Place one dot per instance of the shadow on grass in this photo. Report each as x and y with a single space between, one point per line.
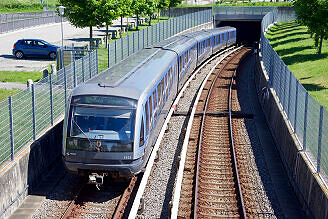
313 87
296 33
304 78
287 41
299 58
273 32
292 50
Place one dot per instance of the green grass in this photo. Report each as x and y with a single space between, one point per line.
14 6
296 48
5 93
19 76
102 51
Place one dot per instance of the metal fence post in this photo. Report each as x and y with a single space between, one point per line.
128 38
289 93
133 42
11 126
74 74
83 76
115 47
108 55
296 106
138 40
159 32
90 69
305 120
122 48
320 139
33 112
65 84
147 36
285 82
143 38
97 62
51 101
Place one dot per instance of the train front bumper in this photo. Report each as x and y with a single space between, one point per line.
129 169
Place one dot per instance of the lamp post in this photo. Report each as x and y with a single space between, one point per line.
61 13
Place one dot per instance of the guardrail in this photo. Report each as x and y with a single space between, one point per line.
15 21
307 117
26 115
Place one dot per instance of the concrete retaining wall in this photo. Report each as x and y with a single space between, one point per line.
308 185
20 176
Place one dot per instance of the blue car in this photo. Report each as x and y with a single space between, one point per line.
34 48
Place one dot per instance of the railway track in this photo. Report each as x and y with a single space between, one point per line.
108 202
211 186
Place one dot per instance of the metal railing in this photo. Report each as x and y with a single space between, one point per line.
15 21
308 119
128 45
27 114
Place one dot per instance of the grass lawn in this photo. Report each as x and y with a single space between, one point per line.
4 93
14 6
19 76
295 47
102 51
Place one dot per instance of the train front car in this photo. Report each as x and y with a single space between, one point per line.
99 134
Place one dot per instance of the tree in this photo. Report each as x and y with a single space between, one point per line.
150 8
107 13
139 8
162 5
123 8
82 13
313 14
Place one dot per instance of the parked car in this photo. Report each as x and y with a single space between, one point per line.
34 48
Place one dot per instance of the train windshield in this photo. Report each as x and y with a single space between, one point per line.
106 118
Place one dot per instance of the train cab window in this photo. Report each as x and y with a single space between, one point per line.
147 119
142 133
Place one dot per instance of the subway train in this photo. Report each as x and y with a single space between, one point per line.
112 121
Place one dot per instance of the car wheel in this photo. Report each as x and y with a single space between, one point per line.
19 54
52 55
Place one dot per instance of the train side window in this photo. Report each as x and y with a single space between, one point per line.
147 118
180 63
142 133
151 112
155 105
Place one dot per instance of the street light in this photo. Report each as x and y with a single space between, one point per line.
61 13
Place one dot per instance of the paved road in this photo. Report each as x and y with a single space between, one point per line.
50 33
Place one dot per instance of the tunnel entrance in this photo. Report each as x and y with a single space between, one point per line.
247 31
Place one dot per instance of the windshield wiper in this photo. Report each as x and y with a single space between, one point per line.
81 130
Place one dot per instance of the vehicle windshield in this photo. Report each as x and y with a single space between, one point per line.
45 42
114 122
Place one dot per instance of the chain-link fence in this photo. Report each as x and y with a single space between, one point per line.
128 45
25 115
306 116
15 21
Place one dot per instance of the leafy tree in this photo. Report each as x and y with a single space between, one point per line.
139 8
107 13
123 8
150 8
313 14
162 5
82 13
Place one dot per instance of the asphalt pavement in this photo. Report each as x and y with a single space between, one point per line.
50 33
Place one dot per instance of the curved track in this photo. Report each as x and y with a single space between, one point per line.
211 185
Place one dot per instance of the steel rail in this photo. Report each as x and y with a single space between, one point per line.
233 147
202 128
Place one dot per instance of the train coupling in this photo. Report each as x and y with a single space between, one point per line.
97 179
